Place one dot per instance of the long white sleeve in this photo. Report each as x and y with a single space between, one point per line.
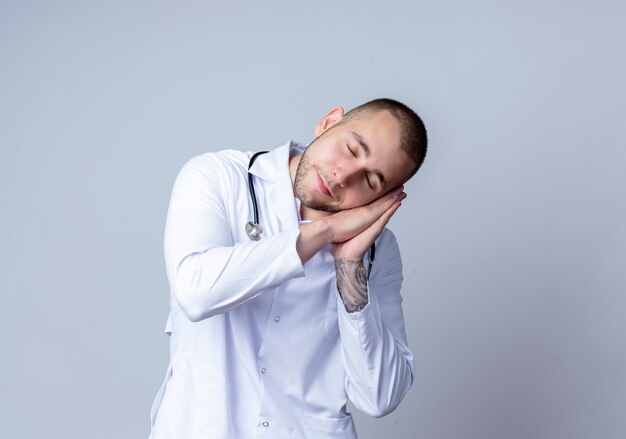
378 363
209 272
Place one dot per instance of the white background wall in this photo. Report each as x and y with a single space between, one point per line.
513 235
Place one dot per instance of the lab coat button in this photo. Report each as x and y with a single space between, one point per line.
277 319
266 424
263 370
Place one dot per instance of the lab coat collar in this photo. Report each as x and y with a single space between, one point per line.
271 166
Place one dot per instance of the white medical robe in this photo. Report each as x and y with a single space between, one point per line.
260 345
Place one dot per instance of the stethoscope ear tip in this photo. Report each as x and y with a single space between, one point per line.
254 231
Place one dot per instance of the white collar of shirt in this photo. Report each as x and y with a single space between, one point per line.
271 166
273 169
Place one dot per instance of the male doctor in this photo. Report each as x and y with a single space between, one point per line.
269 338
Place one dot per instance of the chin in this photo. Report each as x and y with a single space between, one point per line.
319 205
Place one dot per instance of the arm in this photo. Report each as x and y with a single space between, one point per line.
379 365
352 284
209 271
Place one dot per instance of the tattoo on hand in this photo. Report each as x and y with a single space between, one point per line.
352 284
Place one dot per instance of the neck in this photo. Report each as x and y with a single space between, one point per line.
293 167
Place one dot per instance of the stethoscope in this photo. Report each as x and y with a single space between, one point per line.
255 230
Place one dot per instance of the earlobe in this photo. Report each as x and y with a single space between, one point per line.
331 118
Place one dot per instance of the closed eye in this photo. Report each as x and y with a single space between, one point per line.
351 150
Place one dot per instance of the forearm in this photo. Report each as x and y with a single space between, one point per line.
352 284
313 237
214 280
378 363
220 278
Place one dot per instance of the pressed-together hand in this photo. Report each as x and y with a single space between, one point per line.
352 230
356 229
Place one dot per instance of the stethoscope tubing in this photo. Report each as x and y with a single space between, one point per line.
255 208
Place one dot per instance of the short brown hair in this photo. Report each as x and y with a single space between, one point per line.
413 137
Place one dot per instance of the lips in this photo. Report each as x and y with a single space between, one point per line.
323 188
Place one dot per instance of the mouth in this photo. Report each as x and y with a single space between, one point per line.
323 187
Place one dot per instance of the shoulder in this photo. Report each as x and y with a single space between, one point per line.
228 165
225 161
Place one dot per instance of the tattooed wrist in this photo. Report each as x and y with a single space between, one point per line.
352 283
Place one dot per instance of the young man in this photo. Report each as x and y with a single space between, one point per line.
270 338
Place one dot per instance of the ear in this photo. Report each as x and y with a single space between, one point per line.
333 117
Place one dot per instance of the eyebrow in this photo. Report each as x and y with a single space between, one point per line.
366 151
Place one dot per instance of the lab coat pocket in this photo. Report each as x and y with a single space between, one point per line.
318 427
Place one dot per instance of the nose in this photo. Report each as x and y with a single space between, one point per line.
342 173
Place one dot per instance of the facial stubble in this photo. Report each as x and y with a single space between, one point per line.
304 168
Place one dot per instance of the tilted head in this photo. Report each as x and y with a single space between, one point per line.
413 137
359 156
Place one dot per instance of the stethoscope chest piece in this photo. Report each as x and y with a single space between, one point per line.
254 231
253 228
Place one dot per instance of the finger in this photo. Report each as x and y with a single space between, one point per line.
385 204
376 228
350 223
382 221
356 247
378 206
393 194
370 214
